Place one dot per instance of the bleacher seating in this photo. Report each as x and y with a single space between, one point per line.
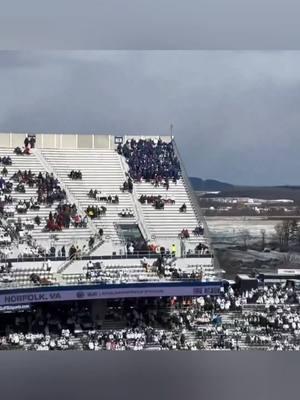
31 162
37 266
134 270
104 170
101 170
166 224
21 271
169 222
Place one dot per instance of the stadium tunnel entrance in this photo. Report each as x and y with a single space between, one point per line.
130 232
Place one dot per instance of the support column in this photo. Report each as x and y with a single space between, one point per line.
98 310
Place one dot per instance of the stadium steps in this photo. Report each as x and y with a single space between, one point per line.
101 170
47 166
31 162
169 222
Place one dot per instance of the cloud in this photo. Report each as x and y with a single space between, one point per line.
235 114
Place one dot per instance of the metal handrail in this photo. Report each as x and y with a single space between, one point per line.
193 198
195 204
137 206
62 283
86 256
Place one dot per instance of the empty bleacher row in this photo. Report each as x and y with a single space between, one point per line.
21 278
22 273
37 266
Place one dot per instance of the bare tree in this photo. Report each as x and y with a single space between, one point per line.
298 235
288 259
287 228
263 238
293 230
279 233
283 231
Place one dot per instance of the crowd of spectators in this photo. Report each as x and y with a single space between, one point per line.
166 267
138 246
38 342
48 187
229 321
23 206
97 273
126 213
20 188
48 192
184 234
198 231
151 199
16 231
159 202
127 185
65 215
29 143
22 151
153 161
6 160
95 211
201 249
75 175
99 196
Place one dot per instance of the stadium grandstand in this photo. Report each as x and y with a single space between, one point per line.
99 210
103 246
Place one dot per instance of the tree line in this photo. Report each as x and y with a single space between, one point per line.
287 233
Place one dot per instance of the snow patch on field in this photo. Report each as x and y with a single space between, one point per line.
230 230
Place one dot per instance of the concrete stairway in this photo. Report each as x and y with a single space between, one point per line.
169 222
31 162
101 170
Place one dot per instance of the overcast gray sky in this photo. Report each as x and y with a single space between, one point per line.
236 115
149 24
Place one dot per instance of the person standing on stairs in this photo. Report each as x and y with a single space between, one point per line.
173 250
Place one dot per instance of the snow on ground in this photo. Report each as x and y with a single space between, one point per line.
231 228
226 233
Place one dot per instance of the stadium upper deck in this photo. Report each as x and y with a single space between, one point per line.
132 199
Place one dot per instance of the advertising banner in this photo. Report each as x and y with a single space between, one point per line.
65 294
14 308
288 271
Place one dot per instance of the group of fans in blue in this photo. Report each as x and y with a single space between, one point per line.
151 161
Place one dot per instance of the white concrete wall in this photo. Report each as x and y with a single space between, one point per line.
70 141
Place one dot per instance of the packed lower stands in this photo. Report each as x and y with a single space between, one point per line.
267 318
